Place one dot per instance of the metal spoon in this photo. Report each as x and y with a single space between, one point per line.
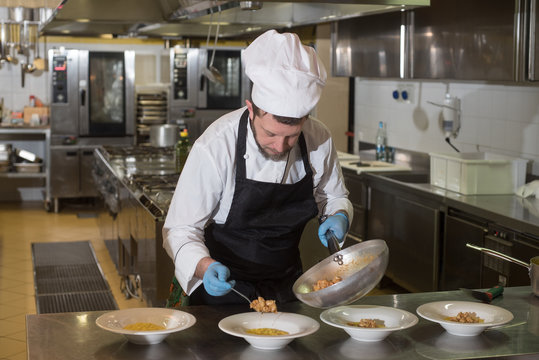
243 296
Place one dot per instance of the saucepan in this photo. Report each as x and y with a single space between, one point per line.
533 266
164 135
361 268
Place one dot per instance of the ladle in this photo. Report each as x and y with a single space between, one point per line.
39 63
211 72
4 39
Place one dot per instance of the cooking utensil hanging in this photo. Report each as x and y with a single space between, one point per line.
4 40
39 62
211 72
533 266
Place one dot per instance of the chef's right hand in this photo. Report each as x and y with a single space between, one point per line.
215 280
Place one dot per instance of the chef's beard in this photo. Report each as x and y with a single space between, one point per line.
270 156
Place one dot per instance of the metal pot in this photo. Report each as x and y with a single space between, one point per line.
164 135
363 266
533 266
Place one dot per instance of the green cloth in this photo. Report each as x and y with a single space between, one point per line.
177 297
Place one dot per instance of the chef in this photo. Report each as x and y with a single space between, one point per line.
253 180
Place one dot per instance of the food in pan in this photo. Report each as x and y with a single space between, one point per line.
323 283
465 317
144 326
365 323
266 331
262 305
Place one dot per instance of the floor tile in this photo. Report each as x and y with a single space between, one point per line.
28 223
7 297
10 347
10 327
20 336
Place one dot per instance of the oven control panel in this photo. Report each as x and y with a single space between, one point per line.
59 79
179 76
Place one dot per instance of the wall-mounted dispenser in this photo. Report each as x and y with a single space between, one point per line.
450 117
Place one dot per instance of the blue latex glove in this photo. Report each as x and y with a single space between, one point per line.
215 280
337 223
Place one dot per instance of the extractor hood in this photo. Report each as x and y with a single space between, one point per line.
188 18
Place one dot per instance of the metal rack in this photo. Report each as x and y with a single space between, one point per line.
31 134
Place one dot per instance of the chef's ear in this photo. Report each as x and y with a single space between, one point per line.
250 109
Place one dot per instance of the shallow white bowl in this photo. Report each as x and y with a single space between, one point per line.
393 319
438 311
296 325
172 320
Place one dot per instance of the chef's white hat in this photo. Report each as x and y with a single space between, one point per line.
287 76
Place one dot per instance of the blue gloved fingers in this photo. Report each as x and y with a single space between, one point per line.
322 230
215 280
338 224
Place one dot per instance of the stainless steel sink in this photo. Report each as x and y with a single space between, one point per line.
410 178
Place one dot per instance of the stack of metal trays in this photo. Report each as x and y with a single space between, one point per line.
27 162
151 110
5 156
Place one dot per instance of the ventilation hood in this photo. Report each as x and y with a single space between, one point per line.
176 19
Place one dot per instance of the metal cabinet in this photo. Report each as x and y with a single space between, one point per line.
455 40
72 168
357 189
368 46
461 266
410 225
466 40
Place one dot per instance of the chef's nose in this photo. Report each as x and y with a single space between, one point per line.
281 144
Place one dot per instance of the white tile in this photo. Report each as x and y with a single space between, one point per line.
468 130
530 140
498 134
483 132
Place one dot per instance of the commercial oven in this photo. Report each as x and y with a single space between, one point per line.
197 101
92 104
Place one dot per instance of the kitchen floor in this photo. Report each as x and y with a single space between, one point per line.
22 224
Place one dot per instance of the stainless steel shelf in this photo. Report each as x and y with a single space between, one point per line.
33 134
24 175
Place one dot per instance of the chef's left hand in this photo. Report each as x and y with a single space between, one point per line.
215 280
338 224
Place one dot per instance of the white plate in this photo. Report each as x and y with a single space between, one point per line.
438 312
296 325
391 318
172 320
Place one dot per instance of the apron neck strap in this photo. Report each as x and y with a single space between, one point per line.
241 148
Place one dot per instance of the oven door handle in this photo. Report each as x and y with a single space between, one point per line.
499 255
202 82
82 97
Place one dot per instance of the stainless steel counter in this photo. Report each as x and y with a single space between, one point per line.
517 212
75 335
510 210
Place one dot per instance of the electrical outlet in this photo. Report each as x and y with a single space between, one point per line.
404 93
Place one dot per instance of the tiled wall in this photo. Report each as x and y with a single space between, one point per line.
494 118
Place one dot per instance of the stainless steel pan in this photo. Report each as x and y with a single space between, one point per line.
364 265
533 266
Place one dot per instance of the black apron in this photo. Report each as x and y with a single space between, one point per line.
259 242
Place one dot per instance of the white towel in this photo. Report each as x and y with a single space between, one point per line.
529 189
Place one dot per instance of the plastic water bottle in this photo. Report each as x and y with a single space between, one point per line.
381 142
182 150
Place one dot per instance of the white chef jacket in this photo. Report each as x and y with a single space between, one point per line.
206 186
